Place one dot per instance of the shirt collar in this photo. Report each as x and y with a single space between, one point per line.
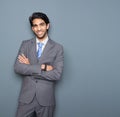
44 41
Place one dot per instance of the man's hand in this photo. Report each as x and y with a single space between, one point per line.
48 67
23 59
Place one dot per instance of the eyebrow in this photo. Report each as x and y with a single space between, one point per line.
38 24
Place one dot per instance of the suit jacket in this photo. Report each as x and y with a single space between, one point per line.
35 81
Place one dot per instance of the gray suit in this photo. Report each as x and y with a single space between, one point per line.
35 81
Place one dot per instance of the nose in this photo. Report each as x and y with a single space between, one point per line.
39 27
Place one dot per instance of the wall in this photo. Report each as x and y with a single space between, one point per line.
89 30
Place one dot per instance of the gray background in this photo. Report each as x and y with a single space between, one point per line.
89 30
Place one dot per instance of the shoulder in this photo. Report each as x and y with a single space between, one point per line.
58 48
28 42
56 44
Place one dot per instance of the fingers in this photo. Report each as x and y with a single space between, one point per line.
46 67
23 59
49 68
43 66
23 56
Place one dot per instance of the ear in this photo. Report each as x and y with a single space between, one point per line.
32 28
48 25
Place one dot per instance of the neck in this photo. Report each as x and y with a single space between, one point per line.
43 38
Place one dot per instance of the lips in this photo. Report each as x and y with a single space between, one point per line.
39 32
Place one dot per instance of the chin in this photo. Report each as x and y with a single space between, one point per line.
40 36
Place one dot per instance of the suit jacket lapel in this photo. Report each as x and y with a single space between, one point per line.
48 47
33 56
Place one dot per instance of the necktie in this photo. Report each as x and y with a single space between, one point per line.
39 52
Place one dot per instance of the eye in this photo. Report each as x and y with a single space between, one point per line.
34 25
42 24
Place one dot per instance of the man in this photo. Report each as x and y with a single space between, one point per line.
40 66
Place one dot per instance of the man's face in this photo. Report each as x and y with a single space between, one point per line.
40 28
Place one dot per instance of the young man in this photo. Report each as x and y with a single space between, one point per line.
40 63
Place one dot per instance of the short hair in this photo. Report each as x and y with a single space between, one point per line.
38 15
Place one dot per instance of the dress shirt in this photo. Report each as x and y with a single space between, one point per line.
44 43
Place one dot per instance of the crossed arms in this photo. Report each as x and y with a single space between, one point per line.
24 60
53 72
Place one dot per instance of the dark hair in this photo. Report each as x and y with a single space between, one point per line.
38 15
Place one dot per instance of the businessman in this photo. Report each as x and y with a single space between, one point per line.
40 63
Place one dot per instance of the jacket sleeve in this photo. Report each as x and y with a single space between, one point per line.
35 70
25 69
56 73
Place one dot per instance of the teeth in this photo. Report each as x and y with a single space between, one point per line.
39 32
